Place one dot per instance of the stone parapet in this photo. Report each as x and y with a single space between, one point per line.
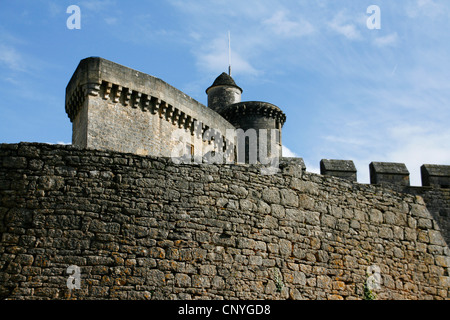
435 175
389 173
338 168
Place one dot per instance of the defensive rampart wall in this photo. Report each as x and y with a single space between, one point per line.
141 227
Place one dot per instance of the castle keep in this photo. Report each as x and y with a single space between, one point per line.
139 225
113 107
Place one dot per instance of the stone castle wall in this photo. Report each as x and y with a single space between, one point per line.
438 204
435 189
141 227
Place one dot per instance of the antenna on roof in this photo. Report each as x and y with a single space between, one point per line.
229 53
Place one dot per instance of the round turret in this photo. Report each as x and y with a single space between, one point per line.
257 120
223 92
259 116
254 115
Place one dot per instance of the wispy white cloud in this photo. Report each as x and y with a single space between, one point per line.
258 28
388 40
213 57
252 10
312 167
342 24
280 24
427 8
97 5
416 145
11 58
16 57
288 153
55 9
111 20
354 142
109 12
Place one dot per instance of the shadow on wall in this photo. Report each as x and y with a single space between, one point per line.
435 189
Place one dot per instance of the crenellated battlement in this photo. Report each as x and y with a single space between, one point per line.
435 175
388 173
435 190
338 168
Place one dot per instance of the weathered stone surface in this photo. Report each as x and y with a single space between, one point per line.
389 173
271 195
144 228
435 175
344 169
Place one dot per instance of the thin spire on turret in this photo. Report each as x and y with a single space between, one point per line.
229 53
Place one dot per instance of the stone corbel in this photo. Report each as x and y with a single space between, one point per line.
93 88
189 124
155 105
170 111
117 93
107 90
175 117
136 99
127 97
145 103
162 109
182 120
197 129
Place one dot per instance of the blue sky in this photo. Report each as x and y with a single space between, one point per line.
349 92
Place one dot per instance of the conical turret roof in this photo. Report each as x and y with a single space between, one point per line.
224 80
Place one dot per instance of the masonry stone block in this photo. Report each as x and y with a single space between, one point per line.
389 173
435 176
271 195
344 169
